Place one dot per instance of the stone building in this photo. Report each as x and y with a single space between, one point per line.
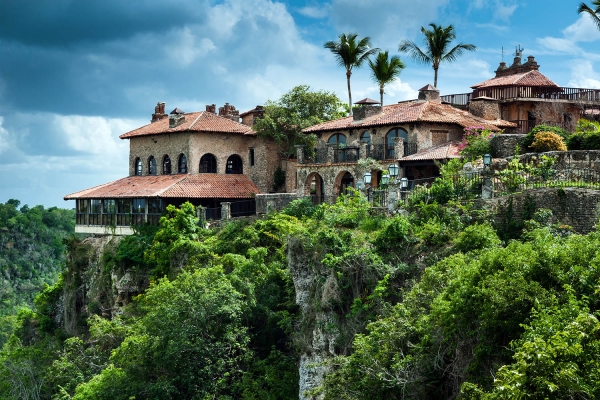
520 93
387 134
201 157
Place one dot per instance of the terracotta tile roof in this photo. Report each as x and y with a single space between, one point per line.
530 78
194 122
440 152
197 186
415 111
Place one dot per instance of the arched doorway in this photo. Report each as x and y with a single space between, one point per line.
343 182
314 187
389 142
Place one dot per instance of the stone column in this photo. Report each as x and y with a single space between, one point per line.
393 195
362 152
299 153
398 147
330 152
487 190
226 210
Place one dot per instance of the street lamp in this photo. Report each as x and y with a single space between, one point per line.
367 178
393 168
404 183
487 160
360 185
385 179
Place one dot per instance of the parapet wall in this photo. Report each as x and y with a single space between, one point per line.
273 201
576 207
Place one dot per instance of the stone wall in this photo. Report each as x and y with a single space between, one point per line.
171 144
266 161
486 109
576 207
583 159
505 145
266 203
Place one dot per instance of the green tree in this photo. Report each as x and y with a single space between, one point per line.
385 70
594 13
350 52
299 108
437 43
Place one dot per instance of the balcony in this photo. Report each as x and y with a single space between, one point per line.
526 92
378 152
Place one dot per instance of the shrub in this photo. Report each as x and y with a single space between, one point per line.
476 142
586 136
528 140
548 141
476 237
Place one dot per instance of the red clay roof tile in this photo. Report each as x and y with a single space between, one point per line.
530 78
415 111
197 186
440 152
201 121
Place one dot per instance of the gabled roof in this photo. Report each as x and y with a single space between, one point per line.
194 122
367 101
196 186
415 111
440 152
529 78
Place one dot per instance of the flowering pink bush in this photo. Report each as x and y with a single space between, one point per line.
476 142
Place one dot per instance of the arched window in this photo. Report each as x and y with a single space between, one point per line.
182 164
389 142
138 166
152 165
338 139
208 164
234 165
365 137
166 165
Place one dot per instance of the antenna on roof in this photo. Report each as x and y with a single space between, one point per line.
519 51
503 52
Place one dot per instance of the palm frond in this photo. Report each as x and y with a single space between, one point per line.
410 47
595 14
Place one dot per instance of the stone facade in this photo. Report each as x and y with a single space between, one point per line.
195 145
485 108
505 145
266 203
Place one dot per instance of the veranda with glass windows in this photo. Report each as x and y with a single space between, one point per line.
118 212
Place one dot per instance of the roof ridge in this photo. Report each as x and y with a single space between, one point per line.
175 181
196 120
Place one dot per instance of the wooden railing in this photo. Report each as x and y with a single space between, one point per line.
529 92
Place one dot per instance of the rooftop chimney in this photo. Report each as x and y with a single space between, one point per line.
159 112
229 111
367 108
517 67
176 118
212 108
429 93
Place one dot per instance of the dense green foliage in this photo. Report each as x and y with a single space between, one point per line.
530 137
31 254
444 301
284 119
586 136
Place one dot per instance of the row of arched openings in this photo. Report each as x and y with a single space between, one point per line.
208 165
339 139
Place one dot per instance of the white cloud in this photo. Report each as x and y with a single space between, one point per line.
583 75
393 92
583 30
503 11
4 137
558 45
184 48
316 12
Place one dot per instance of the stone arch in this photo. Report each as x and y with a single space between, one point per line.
389 142
166 165
137 166
343 181
182 164
234 165
314 186
208 164
151 165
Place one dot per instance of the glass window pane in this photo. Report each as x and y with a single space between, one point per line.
96 206
108 206
124 206
139 206
154 206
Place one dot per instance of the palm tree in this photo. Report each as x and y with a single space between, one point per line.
351 53
385 70
583 8
437 41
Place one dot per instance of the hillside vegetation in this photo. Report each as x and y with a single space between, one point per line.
442 302
32 253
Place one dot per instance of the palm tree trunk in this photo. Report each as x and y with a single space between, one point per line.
348 73
381 94
435 78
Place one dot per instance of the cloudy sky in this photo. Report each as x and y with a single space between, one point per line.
74 75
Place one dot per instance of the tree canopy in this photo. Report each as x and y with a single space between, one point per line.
299 108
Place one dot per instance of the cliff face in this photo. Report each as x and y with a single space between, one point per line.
92 284
317 335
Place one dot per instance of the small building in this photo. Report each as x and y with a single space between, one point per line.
520 93
201 157
386 134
